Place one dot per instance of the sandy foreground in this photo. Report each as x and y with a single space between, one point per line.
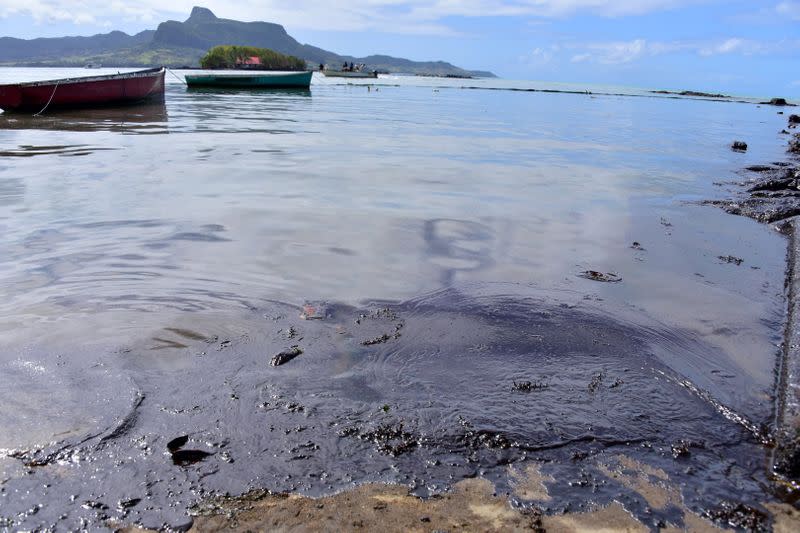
473 505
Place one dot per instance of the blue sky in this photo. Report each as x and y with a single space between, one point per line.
734 46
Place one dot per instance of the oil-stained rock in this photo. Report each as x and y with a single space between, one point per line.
739 146
596 275
285 356
188 457
177 443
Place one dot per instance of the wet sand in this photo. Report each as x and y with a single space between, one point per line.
471 505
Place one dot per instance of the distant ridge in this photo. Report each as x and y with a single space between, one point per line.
177 44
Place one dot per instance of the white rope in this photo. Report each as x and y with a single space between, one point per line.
178 77
48 102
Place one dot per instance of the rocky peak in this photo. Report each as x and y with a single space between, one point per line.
201 14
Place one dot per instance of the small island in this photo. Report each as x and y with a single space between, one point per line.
250 58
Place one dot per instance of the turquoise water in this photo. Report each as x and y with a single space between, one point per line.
118 225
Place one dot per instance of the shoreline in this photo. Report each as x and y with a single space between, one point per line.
773 197
785 457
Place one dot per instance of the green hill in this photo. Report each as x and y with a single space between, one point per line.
177 44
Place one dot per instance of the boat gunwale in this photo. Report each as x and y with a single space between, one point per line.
350 74
148 73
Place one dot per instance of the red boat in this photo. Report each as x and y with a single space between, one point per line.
90 91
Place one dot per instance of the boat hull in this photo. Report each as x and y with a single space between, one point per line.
294 80
348 74
91 91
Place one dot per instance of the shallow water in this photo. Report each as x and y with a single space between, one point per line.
154 258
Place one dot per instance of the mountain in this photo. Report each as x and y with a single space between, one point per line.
177 44
22 50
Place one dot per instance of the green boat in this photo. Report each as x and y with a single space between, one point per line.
350 74
293 80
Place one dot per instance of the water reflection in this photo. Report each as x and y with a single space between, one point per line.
147 118
255 92
236 110
12 191
28 150
457 246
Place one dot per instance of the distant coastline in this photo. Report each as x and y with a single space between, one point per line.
181 45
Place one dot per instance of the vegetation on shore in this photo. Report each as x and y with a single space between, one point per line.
230 56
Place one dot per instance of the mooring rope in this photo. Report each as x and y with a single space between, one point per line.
48 102
177 77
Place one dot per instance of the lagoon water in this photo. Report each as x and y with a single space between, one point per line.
152 256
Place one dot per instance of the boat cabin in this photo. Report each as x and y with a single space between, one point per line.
253 62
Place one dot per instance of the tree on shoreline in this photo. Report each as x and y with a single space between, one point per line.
229 56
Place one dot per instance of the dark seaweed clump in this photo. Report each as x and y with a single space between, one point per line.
787 467
528 386
740 516
390 439
594 275
731 259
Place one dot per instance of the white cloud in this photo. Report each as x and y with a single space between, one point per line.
620 52
541 55
789 9
614 52
406 16
734 45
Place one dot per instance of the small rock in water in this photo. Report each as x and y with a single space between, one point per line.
794 145
131 502
794 119
177 443
594 275
759 168
91 504
286 356
777 101
739 146
637 246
